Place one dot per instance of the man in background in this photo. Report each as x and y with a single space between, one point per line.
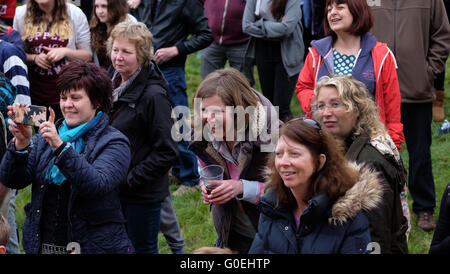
418 33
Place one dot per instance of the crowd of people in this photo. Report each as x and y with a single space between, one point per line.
367 74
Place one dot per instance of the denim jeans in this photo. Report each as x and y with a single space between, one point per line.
185 168
215 56
12 247
169 225
416 119
143 221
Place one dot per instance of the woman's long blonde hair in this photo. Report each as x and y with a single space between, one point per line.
354 94
35 21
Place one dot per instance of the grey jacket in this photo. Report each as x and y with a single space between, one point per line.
418 33
259 23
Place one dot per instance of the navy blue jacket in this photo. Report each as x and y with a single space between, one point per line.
95 217
326 227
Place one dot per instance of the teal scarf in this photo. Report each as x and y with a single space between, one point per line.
73 137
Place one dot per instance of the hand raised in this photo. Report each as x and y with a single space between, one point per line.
22 133
49 131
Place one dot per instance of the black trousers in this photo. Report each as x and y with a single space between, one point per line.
276 85
416 119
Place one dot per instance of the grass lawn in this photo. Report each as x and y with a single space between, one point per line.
195 219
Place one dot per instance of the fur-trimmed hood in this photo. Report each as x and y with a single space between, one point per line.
365 195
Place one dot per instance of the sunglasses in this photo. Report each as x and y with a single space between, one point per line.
310 122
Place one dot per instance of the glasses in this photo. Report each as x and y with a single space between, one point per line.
333 106
310 122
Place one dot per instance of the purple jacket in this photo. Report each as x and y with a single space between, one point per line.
225 21
363 69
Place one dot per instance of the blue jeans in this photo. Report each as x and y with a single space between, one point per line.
185 168
143 223
169 225
13 243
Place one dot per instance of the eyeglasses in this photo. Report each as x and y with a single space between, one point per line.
333 106
310 122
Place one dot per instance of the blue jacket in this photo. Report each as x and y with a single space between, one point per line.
326 227
95 217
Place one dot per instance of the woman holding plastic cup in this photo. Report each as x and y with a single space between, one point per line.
237 144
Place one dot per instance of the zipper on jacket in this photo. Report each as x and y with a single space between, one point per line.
223 21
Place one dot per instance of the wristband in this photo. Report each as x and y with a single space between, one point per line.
59 149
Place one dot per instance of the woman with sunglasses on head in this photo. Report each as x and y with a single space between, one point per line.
349 49
314 200
345 110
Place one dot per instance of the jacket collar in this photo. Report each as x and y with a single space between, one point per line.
324 45
148 73
365 195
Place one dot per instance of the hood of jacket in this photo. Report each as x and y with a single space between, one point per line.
324 45
365 195
324 49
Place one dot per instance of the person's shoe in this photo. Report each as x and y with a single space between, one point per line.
185 189
438 106
425 221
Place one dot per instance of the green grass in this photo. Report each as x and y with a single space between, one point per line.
195 219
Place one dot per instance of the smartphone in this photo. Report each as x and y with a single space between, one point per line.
29 114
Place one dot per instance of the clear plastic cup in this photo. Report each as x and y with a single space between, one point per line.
210 173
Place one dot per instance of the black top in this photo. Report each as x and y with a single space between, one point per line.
143 114
180 23
54 214
441 238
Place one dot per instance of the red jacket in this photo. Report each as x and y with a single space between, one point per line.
387 91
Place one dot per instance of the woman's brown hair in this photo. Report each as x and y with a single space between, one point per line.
362 17
231 86
334 178
277 8
117 12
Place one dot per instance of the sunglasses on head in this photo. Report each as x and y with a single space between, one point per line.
310 122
